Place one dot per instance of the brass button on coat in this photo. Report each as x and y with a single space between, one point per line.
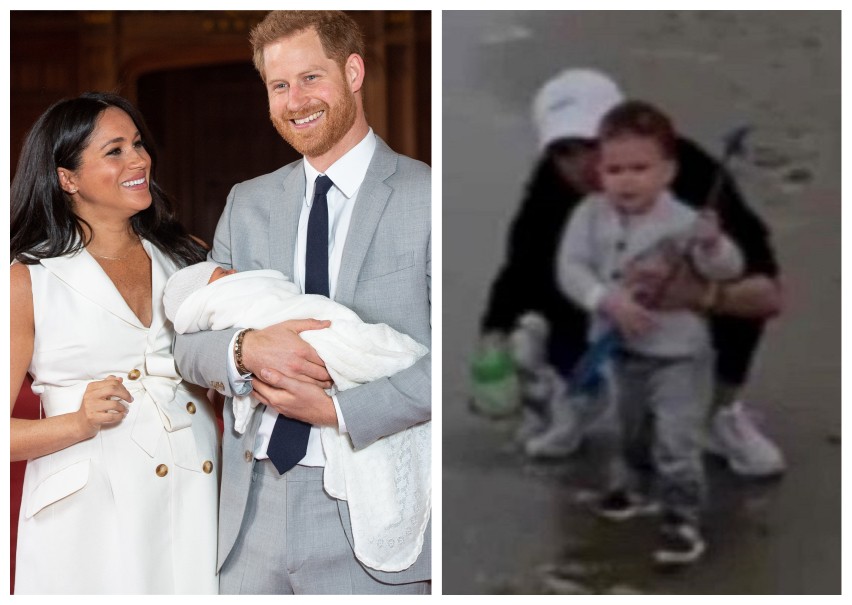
190 407
134 374
162 470
249 456
207 467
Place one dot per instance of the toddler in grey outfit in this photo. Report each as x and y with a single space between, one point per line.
663 370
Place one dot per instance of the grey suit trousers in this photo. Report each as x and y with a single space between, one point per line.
317 557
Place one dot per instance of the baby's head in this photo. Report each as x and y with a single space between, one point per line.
637 155
186 281
219 273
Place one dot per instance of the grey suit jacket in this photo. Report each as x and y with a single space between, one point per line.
385 277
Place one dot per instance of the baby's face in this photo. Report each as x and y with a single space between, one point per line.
219 273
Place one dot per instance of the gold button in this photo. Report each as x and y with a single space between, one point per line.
207 467
249 456
162 470
190 407
134 374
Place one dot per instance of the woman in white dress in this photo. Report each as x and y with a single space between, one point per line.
120 493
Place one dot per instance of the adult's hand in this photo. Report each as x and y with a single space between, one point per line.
278 347
685 289
755 296
295 398
102 406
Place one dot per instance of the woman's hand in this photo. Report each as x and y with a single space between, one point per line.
102 406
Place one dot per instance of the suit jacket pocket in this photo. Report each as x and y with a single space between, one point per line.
386 266
58 485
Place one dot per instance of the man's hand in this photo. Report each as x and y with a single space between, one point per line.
295 398
279 347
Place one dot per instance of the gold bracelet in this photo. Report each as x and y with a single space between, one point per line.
238 351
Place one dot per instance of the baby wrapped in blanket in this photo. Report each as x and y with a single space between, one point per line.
387 484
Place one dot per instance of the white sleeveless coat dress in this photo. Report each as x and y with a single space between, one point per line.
134 509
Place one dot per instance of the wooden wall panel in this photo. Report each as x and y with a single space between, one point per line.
64 53
55 54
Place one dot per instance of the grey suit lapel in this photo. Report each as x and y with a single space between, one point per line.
286 206
372 198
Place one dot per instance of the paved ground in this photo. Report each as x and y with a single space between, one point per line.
505 522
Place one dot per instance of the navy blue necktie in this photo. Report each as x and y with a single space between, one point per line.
289 440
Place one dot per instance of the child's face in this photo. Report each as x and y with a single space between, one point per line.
634 171
218 273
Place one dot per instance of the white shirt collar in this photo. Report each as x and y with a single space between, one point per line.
348 172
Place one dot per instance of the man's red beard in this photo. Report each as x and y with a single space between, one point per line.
315 142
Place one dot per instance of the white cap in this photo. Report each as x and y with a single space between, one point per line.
572 104
185 282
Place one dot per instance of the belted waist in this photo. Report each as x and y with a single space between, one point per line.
153 386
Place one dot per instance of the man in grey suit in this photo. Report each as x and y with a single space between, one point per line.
279 532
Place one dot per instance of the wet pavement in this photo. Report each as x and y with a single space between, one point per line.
516 527
510 526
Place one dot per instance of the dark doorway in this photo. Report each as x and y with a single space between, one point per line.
212 128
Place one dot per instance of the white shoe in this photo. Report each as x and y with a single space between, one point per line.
558 441
734 436
565 433
532 423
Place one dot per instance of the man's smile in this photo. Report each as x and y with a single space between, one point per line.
308 119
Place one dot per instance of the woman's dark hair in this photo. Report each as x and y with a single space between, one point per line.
44 224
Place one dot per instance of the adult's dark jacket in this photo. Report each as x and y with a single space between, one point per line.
526 281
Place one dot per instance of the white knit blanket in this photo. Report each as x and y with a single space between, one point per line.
387 484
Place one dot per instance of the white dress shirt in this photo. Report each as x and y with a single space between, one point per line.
346 174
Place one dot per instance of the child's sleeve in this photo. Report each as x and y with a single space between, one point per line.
575 272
